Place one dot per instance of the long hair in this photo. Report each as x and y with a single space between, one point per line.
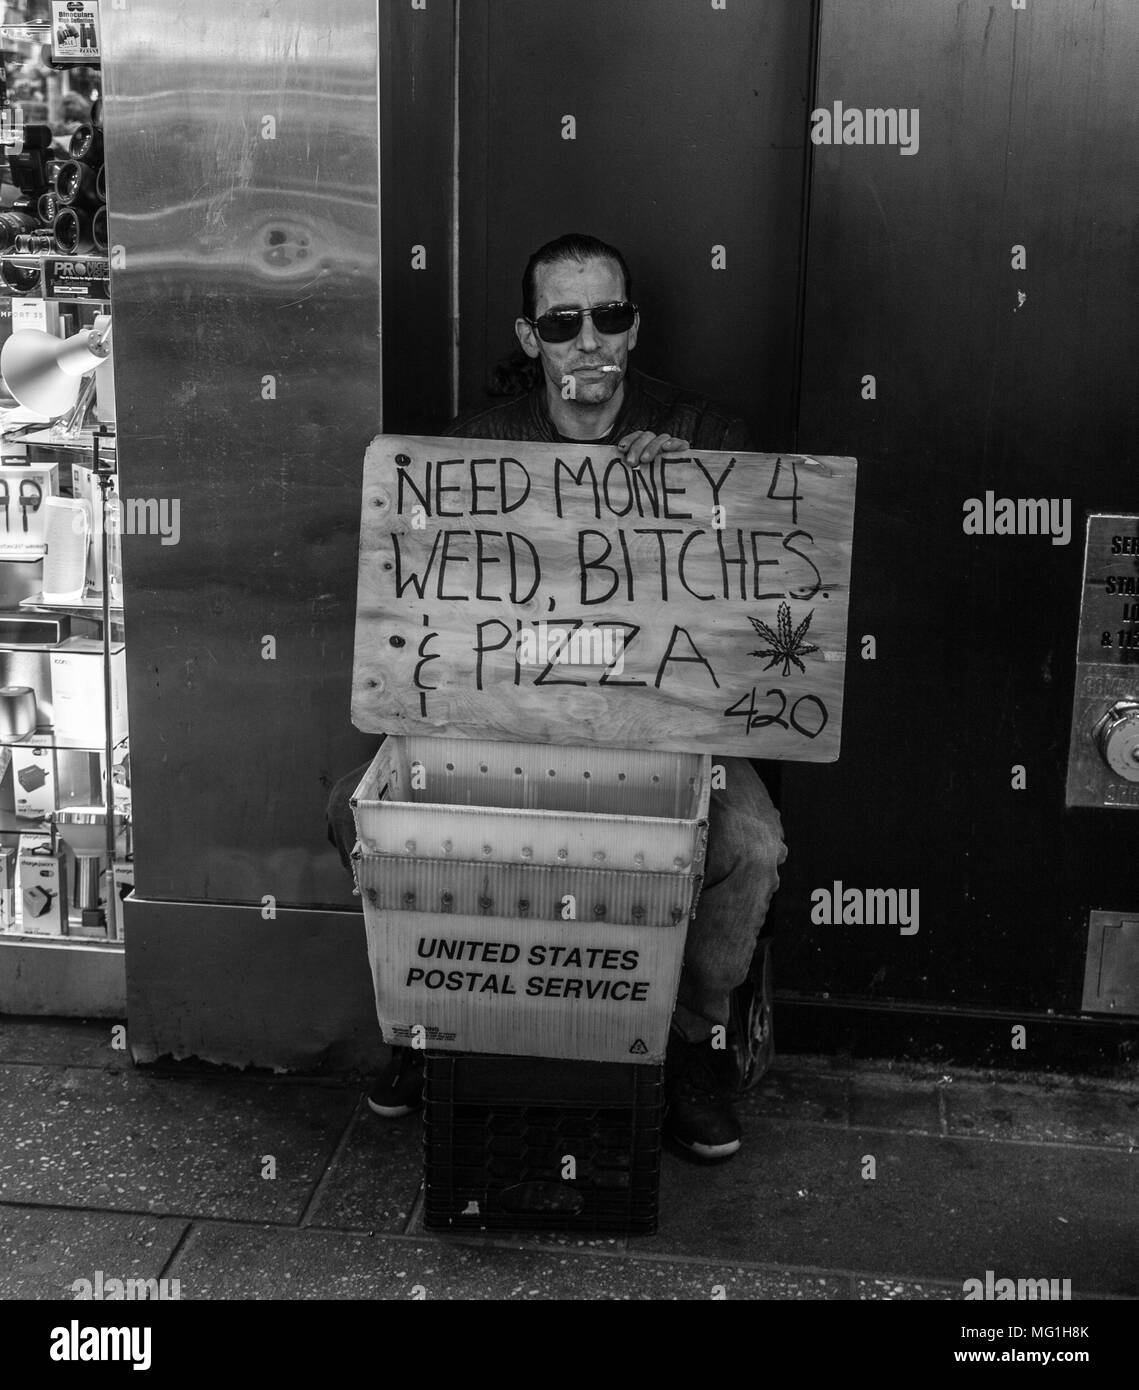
515 373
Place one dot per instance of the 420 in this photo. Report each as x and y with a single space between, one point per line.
745 708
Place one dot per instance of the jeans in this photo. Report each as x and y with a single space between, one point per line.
741 873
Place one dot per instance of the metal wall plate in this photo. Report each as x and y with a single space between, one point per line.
1107 665
1111 970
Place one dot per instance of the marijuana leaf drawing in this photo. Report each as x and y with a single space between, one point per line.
786 646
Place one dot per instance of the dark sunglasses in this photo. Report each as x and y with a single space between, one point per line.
560 325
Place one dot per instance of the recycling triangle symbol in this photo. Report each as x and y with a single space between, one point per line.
638 1048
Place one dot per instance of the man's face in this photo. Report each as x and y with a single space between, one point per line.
580 285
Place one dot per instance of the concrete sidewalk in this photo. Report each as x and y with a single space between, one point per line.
163 1173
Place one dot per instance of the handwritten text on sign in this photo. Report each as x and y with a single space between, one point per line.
554 594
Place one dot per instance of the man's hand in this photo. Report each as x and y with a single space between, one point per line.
644 446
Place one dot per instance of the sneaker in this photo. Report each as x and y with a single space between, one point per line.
398 1090
699 1114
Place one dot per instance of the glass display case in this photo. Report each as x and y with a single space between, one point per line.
65 847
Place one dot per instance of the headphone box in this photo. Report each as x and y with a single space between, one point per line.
43 886
22 514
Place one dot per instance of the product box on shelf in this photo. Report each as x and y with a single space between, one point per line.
75 32
6 397
77 690
46 779
22 516
76 277
120 780
25 664
7 887
33 312
79 773
43 886
35 781
33 629
85 487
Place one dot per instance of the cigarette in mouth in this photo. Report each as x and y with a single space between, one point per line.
610 369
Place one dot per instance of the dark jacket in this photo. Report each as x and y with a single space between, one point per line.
649 404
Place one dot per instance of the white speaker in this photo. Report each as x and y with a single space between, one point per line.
84 484
67 533
105 391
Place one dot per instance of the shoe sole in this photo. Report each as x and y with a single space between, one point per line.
707 1151
392 1112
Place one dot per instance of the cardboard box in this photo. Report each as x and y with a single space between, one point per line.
43 887
77 690
22 514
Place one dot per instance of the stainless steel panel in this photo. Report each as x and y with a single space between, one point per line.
193 989
242 176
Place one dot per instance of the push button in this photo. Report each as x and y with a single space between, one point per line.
1117 738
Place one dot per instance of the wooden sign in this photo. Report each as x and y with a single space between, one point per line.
551 593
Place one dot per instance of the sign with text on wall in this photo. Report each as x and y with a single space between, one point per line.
552 593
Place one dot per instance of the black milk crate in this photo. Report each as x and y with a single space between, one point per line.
498 1131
